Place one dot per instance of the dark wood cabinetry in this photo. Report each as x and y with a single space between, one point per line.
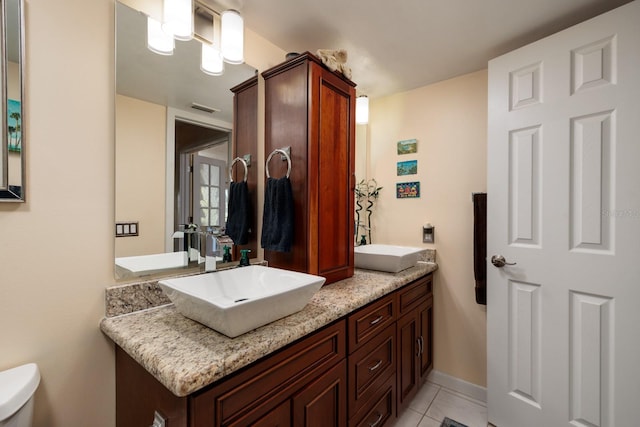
372 361
312 110
359 371
414 335
245 141
254 393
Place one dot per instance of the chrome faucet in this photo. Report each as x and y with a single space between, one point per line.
191 241
212 240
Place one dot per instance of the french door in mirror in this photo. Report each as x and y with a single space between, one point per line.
12 170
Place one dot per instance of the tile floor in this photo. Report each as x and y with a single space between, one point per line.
433 403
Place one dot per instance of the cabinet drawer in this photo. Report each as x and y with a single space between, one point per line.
370 320
267 383
380 410
413 294
369 367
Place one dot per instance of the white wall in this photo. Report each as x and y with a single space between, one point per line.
56 256
57 249
449 121
140 176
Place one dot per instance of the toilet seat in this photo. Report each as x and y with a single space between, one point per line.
17 386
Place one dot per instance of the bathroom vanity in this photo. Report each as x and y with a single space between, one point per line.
355 355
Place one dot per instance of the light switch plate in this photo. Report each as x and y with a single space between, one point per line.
127 229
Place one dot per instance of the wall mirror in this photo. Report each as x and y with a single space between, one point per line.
173 126
12 159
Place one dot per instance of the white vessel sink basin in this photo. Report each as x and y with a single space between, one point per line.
144 265
387 258
239 300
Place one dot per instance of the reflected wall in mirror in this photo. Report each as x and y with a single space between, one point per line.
12 159
172 156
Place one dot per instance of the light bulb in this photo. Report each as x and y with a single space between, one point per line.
232 38
211 61
178 18
157 40
362 110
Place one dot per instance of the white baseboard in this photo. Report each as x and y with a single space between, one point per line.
461 386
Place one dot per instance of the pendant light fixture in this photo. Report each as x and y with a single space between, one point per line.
362 110
221 34
211 60
232 38
178 18
157 40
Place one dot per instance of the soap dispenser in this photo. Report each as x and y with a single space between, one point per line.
244 257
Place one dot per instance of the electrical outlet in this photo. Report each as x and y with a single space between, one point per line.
428 233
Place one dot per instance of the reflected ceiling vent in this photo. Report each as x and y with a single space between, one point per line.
204 108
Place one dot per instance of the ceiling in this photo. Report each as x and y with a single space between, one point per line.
392 46
174 80
405 44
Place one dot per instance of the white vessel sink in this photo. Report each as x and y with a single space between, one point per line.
239 300
144 265
388 258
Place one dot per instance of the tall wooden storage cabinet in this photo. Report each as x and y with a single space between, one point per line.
245 141
312 110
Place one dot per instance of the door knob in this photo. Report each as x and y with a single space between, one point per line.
499 261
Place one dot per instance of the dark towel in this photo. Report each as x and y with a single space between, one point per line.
277 218
239 217
480 246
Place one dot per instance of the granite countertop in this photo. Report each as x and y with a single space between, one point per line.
186 356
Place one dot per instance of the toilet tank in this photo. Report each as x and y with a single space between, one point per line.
17 386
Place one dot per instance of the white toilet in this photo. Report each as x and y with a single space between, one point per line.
17 386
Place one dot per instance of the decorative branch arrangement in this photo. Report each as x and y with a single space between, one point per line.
366 191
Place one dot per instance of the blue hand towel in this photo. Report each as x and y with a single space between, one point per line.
277 218
239 217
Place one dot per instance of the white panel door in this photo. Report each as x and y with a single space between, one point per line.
564 206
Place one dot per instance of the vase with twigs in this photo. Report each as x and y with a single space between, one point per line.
366 192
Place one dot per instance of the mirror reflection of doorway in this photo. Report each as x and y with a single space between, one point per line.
201 182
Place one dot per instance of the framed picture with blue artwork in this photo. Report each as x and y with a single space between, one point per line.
14 125
409 167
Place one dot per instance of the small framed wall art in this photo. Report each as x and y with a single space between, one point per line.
407 190
408 146
410 167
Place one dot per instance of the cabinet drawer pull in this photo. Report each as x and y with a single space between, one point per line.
376 320
375 423
376 366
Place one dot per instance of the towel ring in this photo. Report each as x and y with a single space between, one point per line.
246 168
285 154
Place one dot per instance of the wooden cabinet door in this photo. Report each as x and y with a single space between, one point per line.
323 402
425 317
332 145
280 416
408 356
